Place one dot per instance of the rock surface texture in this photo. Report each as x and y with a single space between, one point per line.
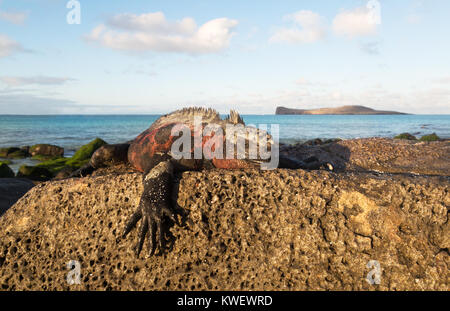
380 155
250 230
247 229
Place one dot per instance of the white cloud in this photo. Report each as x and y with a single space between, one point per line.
152 32
308 27
355 23
9 46
153 23
17 18
38 80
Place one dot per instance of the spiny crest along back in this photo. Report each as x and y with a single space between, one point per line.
234 118
187 115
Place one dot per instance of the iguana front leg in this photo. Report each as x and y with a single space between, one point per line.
155 203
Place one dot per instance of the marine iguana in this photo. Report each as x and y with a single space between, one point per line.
150 153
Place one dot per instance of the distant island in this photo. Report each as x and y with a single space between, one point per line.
351 110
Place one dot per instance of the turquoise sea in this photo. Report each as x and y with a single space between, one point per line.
72 131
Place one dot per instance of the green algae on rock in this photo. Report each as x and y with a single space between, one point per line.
5 151
406 136
431 137
86 151
44 158
19 154
13 153
54 165
80 158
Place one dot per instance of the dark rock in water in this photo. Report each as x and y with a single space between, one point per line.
26 149
5 151
405 136
80 158
11 190
46 150
6 171
13 153
34 173
19 154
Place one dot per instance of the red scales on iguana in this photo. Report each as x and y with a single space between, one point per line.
151 153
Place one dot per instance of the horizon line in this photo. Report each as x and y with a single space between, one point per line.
243 114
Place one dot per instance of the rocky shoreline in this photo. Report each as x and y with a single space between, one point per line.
50 158
53 164
249 230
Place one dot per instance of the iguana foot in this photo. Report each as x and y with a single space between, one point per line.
155 204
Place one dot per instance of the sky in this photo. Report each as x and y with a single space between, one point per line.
151 57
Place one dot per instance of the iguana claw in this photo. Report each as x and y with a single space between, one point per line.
153 208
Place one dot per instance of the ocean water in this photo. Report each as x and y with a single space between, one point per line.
72 131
